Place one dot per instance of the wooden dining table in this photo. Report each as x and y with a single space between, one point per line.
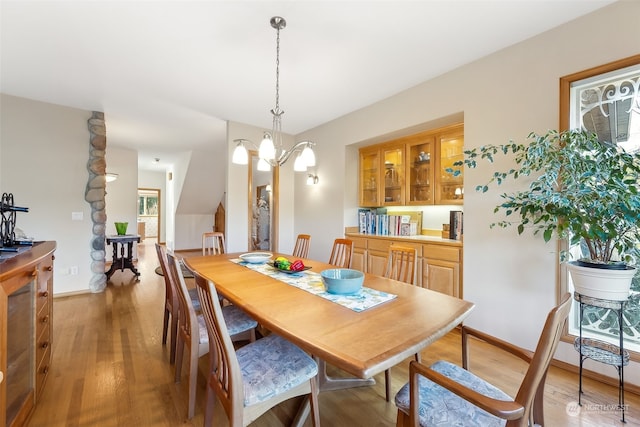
361 343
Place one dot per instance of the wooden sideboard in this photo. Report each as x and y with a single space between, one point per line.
439 261
26 331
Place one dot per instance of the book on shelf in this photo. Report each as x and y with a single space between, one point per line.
455 225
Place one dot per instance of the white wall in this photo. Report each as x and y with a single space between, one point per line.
503 96
45 149
122 194
202 190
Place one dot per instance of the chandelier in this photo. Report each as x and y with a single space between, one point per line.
271 150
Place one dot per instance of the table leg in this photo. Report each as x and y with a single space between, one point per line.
122 261
328 383
130 259
114 261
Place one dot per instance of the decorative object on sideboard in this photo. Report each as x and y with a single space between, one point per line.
8 223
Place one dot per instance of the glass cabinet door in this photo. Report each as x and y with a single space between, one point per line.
369 178
450 189
393 176
420 174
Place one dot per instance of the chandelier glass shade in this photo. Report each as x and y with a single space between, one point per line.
271 150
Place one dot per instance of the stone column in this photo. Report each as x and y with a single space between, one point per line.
95 195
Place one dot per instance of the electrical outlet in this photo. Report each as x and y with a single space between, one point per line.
73 270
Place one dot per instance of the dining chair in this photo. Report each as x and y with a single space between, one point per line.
301 249
171 304
192 331
213 243
341 253
401 266
446 391
252 379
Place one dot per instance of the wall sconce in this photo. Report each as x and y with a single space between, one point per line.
268 188
110 177
459 192
312 179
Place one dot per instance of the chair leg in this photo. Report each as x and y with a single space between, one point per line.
193 380
209 405
402 420
313 400
387 384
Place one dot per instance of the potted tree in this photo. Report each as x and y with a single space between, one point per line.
582 190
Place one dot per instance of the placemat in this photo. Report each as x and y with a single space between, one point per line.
311 281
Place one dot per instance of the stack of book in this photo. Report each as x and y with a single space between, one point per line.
382 223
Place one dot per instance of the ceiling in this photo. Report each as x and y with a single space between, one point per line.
169 74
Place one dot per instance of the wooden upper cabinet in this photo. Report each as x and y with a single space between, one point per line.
450 149
369 187
412 170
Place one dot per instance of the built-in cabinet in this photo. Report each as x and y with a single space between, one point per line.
412 170
26 315
438 263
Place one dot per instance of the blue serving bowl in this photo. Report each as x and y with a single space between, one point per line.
342 281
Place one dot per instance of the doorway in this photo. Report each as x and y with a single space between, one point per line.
149 218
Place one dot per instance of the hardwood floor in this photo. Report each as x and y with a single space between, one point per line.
110 369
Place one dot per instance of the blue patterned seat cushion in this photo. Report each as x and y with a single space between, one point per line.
440 407
195 300
272 365
237 322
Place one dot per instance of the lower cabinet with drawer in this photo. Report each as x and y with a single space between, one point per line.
359 256
438 263
440 269
26 301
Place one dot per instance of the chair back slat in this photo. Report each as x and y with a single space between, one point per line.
401 264
301 249
341 253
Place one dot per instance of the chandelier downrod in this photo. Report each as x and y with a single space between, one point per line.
278 23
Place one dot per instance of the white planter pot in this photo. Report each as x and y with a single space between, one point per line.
601 283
